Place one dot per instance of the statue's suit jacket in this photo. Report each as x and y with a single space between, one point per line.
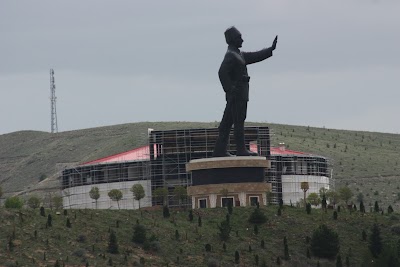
233 71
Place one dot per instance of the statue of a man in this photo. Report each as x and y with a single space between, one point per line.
235 82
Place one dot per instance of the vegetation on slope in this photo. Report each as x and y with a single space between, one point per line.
366 161
29 240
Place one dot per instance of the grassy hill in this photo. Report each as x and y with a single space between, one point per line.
35 244
366 161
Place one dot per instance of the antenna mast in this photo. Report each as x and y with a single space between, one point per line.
53 98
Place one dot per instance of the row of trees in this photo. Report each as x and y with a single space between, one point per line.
139 193
343 194
34 202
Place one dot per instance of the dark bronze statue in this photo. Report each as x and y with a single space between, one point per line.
235 82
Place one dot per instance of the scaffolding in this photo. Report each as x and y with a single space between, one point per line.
162 163
297 168
171 150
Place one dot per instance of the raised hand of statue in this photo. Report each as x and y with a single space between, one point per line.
274 43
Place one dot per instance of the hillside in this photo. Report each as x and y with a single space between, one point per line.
178 242
367 161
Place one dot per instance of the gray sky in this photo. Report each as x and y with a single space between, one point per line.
337 63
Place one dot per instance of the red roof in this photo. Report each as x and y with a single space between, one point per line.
140 153
143 153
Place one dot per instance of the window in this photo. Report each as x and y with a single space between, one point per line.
202 203
253 201
226 200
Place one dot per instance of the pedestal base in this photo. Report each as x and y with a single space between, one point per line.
223 170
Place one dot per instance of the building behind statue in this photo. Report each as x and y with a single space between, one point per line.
162 163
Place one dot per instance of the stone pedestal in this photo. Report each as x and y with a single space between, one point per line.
241 177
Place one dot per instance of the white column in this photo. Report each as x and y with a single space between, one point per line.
213 200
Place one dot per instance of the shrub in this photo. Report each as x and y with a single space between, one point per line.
34 202
376 206
166 212
190 215
14 203
49 220
375 241
255 229
113 243
390 209
42 213
230 208
395 229
324 242
68 224
364 235
224 230
237 257
139 234
335 215
81 238
286 248
339 261
79 253
207 247
257 216
308 208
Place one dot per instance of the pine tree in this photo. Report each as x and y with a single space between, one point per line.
375 241
335 215
42 213
190 215
237 257
255 229
324 242
286 248
199 221
230 208
364 235
49 220
376 206
139 234
362 207
308 208
339 261
390 209
166 212
68 223
262 244
113 243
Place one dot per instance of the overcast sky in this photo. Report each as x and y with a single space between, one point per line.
337 63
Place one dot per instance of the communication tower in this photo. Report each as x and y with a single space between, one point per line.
53 98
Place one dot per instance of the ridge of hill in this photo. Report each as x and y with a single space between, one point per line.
366 161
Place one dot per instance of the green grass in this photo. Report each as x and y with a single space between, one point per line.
60 242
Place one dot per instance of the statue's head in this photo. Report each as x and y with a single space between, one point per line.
233 37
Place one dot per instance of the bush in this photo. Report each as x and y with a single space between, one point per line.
81 238
257 216
139 234
224 230
375 241
14 203
113 243
308 208
325 242
34 202
166 212
208 247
